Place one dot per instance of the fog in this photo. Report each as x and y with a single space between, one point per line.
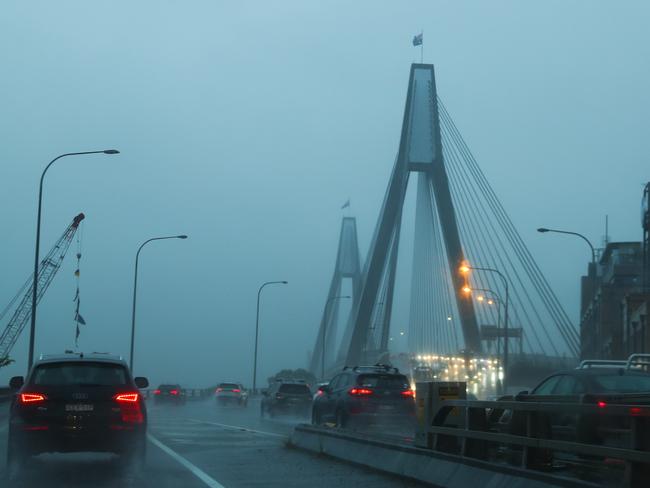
246 126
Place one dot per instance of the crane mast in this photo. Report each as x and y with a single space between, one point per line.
48 268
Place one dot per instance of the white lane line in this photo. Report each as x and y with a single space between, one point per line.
199 473
237 427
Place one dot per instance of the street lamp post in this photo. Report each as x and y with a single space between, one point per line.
257 327
32 327
465 269
135 288
322 358
593 272
497 299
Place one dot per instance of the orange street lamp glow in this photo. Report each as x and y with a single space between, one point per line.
467 289
480 298
464 269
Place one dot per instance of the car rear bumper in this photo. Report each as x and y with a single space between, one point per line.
41 439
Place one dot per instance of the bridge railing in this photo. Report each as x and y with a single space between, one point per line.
528 441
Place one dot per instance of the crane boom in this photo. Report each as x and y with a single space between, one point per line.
49 266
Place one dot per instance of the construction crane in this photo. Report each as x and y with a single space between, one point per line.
46 271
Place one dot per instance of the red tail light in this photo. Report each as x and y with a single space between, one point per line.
360 391
156 392
601 404
173 392
126 397
219 390
408 393
130 407
236 390
32 398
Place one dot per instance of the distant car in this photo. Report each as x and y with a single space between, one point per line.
231 393
173 394
366 395
286 397
77 402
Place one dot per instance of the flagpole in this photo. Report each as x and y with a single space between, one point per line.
422 47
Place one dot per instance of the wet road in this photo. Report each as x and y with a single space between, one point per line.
201 445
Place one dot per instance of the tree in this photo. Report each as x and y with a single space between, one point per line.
294 374
6 361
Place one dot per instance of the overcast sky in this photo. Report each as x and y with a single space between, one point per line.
247 124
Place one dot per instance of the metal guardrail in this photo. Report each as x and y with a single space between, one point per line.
478 438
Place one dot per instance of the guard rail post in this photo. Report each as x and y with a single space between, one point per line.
637 474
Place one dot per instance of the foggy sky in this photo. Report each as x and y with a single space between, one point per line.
246 125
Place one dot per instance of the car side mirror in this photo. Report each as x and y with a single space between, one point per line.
16 382
141 381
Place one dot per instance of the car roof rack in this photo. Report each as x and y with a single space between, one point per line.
601 363
638 360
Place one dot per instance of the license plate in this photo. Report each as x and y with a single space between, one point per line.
79 407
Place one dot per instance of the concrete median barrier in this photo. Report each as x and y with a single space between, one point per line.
438 469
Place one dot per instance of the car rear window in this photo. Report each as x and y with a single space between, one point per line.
229 386
624 383
383 381
79 374
295 389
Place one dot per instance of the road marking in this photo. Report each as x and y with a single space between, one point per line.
237 427
199 473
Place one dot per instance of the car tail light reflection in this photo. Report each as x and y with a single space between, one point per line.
32 398
408 393
156 392
360 391
236 390
173 392
130 407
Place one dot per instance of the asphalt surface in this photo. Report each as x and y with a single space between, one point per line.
201 445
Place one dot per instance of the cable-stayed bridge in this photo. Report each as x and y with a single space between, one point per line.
459 223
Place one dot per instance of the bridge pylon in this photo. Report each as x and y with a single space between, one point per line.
420 151
348 266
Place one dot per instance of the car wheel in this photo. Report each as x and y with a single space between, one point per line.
16 460
341 419
136 457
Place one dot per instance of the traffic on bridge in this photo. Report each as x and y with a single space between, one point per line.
307 245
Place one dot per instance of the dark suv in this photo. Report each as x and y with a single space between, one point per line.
366 394
73 403
287 397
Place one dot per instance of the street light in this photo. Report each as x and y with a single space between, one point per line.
593 272
465 269
32 327
135 288
322 359
490 301
257 327
543 230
